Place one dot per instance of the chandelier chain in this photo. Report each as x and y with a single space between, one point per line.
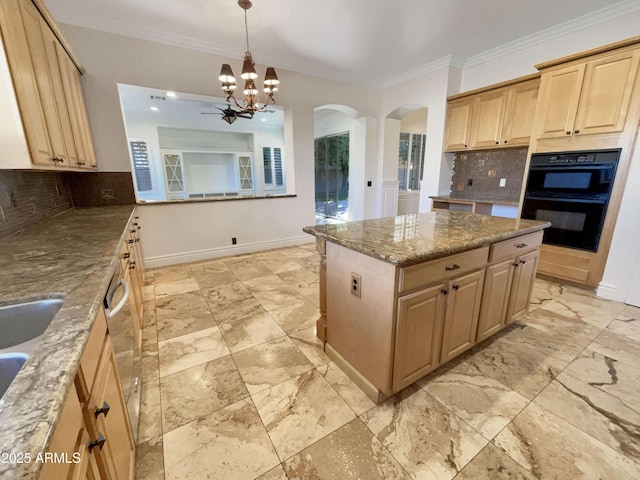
246 30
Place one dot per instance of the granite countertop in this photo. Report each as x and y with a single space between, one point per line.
409 239
71 256
449 198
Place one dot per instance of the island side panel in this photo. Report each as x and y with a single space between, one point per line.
361 329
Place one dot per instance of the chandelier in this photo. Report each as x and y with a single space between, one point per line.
249 104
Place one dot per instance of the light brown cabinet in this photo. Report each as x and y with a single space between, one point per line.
47 92
458 128
509 283
587 98
496 117
461 318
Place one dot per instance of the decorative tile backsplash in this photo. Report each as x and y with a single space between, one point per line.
27 197
477 174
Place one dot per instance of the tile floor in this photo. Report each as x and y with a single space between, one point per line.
236 385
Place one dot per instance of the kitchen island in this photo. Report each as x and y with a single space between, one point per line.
400 296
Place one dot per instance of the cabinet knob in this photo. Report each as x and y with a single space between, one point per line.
133 265
99 442
126 255
444 291
521 245
103 410
498 143
568 133
522 262
82 164
465 145
515 264
505 141
455 287
455 266
131 240
576 131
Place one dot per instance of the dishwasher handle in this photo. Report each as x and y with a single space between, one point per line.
125 297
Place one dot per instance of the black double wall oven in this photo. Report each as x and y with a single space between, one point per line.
571 190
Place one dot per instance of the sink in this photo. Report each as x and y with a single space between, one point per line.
21 325
10 365
22 322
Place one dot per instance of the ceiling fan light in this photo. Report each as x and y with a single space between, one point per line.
270 77
226 74
229 119
248 70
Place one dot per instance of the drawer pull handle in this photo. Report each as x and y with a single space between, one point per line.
444 291
126 255
455 266
131 240
522 245
515 264
104 410
522 262
97 443
455 287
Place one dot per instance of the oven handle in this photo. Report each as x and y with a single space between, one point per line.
125 296
595 201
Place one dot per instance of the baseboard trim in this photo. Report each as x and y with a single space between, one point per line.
208 254
608 291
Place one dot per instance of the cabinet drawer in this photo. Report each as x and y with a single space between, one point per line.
515 246
427 273
91 357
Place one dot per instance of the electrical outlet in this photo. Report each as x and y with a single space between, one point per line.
234 241
356 284
470 182
503 182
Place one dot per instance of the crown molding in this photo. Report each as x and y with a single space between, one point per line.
584 22
444 62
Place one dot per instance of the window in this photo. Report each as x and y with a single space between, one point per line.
141 165
272 163
410 160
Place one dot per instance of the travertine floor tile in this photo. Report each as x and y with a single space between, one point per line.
276 473
273 293
351 451
428 440
297 316
549 447
309 343
482 402
270 363
304 281
212 274
229 443
171 274
300 411
250 331
192 349
349 391
150 421
493 464
150 460
177 287
247 268
226 296
200 390
178 315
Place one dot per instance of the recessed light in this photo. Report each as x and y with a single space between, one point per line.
155 109
263 119
171 94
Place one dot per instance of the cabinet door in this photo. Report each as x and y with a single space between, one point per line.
606 94
495 298
418 334
458 124
38 53
519 113
488 113
116 457
77 110
559 96
523 279
461 318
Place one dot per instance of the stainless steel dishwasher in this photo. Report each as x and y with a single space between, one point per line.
126 344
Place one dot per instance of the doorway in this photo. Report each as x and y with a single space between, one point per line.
331 158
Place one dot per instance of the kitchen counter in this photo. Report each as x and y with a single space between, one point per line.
71 256
410 239
449 198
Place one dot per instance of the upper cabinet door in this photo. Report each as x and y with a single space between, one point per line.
606 93
559 97
488 114
520 112
458 124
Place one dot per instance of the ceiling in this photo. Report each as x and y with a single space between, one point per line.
377 43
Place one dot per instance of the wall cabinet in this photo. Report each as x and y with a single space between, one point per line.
496 117
587 98
47 90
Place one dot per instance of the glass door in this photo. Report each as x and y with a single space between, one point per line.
332 177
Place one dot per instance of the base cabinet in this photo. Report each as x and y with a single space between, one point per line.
418 334
522 286
461 319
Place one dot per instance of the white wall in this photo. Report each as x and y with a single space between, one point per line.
185 230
